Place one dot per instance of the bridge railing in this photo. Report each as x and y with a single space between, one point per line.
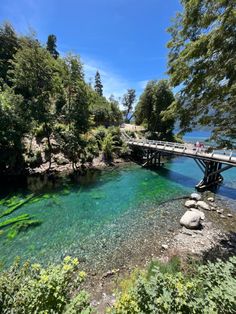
187 146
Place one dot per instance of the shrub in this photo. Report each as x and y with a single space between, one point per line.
33 289
211 290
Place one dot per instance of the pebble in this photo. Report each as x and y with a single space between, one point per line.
222 216
165 246
229 215
220 211
211 199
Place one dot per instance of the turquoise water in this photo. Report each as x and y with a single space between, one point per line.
104 216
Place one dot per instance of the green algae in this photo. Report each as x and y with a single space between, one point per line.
14 205
14 220
20 226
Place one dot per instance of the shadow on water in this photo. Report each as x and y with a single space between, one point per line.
176 177
190 182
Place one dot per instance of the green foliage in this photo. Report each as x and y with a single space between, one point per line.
108 147
52 46
203 67
45 96
128 102
212 289
33 289
104 112
156 98
12 129
98 84
8 47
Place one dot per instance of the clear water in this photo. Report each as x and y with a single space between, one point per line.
104 216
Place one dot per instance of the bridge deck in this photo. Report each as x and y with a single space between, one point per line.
227 157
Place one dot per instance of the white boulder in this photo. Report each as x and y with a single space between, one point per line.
190 203
195 196
210 199
191 220
203 205
202 215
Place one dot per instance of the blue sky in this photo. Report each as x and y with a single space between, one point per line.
124 39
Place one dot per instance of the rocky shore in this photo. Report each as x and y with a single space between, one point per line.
211 236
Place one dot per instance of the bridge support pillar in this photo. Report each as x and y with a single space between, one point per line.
212 174
153 159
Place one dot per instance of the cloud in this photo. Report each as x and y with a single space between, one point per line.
23 16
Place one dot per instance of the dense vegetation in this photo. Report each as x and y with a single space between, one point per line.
202 62
44 96
164 288
209 288
156 98
30 288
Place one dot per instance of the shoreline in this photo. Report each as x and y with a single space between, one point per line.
214 240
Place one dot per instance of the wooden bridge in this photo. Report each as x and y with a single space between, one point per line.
211 162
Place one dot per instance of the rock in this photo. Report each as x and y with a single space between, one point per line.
211 199
203 205
199 212
213 208
191 220
165 246
222 216
195 196
220 211
190 203
229 215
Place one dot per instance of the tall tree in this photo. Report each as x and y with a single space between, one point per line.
33 77
156 98
128 102
52 46
202 62
98 87
8 47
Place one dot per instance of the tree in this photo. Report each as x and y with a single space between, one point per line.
8 47
128 102
12 128
52 46
98 87
33 76
156 98
202 62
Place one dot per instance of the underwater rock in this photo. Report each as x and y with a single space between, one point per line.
190 203
199 212
195 196
222 216
191 220
203 205
210 199
165 246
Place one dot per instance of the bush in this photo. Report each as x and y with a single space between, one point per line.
211 290
33 289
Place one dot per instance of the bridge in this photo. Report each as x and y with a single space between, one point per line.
211 162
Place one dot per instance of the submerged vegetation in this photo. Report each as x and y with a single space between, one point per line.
11 226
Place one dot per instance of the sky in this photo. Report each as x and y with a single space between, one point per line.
125 40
